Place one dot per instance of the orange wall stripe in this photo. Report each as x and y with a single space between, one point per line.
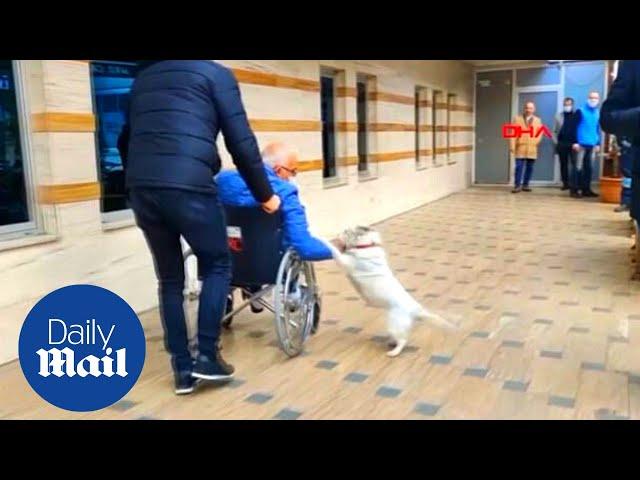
461 148
63 122
461 108
392 156
310 165
274 80
317 164
342 92
264 125
68 193
392 127
347 126
391 98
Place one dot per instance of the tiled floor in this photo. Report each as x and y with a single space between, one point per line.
540 283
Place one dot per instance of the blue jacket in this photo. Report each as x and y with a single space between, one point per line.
233 191
176 110
589 127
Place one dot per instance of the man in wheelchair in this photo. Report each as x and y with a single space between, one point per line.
281 165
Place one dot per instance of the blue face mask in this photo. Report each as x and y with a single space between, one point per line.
593 102
568 108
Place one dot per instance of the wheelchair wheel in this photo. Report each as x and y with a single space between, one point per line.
295 299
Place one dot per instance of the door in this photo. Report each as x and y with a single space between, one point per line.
493 109
546 102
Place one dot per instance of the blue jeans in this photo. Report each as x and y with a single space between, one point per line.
585 167
525 164
164 215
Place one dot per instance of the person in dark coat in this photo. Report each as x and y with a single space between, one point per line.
565 138
168 148
626 165
620 116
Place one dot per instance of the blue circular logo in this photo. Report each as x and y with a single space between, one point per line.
82 348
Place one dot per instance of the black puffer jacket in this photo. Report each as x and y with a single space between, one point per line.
176 110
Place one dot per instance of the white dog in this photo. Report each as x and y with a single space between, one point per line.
365 263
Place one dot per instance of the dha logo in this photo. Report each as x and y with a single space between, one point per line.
57 359
79 364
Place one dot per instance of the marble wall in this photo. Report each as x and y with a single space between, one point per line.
75 245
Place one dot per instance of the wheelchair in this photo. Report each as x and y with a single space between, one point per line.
261 268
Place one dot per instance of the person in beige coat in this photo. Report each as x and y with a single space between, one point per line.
525 148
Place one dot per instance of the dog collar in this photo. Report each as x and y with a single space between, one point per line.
365 246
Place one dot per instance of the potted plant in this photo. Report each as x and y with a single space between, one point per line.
611 180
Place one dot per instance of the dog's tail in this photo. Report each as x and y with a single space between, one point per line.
436 320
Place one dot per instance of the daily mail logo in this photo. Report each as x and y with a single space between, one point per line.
82 348
61 362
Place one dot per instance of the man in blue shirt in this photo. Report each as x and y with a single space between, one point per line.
280 165
588 141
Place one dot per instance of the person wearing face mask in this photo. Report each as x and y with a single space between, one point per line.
588 142
281 166
525 148
565 137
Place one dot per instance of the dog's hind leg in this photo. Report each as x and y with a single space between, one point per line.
398 349
398 324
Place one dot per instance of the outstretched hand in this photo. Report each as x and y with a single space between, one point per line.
339 244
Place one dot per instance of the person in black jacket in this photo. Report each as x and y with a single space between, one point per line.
626 164
168 148
620 116
565 136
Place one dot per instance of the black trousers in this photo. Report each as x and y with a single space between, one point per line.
565 155
164 215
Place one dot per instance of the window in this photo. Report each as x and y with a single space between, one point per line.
327 110
435 96
422 116
439 127
111 81
363 151
416 119
15 202
367 114
451 102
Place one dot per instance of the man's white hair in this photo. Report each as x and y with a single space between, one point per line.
270 160
277 152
